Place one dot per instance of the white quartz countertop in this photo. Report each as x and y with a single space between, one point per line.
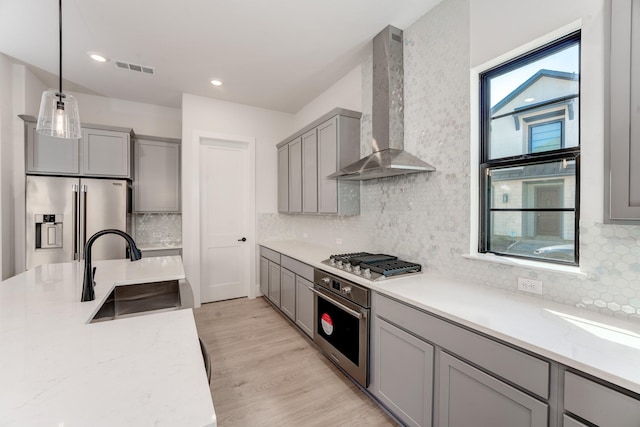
56 369
603 346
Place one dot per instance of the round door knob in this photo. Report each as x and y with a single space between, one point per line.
244 239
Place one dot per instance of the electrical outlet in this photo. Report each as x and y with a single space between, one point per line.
530 285
338 240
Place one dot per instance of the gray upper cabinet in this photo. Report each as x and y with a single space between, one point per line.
283 179
622 158
47 154
105 153
295 176
470 397
310 172
156 183
327 145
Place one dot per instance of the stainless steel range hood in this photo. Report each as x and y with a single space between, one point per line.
389 157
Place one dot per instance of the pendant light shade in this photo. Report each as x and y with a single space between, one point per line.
58 114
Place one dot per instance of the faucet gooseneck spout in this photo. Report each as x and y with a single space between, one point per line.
88 284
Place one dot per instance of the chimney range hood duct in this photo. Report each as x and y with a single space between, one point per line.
389 157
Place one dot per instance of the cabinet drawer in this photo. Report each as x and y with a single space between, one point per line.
270 254
567 421
300 268
508 363
599 404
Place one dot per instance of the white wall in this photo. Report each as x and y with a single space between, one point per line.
345 93
498 32
20 93
145 119
204 115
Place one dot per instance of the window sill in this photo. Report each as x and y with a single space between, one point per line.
525 263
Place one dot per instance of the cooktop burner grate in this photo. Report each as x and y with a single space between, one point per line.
394 267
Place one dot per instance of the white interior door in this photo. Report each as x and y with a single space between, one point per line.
224 209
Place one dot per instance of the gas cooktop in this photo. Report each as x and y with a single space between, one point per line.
373 266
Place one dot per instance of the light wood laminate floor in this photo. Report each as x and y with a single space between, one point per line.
266 373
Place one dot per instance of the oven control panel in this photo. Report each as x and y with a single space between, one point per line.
337 285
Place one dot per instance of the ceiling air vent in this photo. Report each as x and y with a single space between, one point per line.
135 67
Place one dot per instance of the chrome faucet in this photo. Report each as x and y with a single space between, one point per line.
88 284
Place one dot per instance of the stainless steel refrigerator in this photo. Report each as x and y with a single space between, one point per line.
62 213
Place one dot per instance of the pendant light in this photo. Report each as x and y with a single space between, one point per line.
58 114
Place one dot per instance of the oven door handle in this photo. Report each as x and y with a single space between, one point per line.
351 311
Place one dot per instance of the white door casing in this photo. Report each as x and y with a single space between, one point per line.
226 216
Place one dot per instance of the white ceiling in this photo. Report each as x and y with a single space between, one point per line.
275 54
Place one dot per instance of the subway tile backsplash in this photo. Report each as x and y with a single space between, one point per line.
426 217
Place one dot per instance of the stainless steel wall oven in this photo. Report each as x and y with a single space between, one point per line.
341 323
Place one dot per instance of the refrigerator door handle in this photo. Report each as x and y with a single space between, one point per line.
74 214
83 218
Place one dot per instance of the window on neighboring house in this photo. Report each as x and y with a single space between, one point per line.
530 148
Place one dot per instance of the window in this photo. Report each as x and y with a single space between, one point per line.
530 148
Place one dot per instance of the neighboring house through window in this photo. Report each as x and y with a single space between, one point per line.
530 146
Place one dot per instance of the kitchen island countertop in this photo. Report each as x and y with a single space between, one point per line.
57 369
603 346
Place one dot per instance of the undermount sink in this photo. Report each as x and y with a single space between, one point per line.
140 299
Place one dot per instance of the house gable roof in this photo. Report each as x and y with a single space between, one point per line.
563 75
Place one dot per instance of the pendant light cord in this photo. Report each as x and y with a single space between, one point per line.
60 42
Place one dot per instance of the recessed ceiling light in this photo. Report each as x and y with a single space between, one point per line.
98 58
216 82
529 99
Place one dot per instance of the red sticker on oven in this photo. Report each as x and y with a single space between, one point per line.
327 324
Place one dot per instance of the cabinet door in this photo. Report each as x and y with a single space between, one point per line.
274 283
288 293
264 276
46 154
105 153
568 421
304 305
327 164
310 172
283 179
295 176
157 176
623 164
469 397
403 374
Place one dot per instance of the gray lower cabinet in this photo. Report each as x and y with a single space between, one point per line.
283 179
470 397
622 152
288 293
304 305
568 421
403 377
150 253
274 283
156 183
599 404
264 276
